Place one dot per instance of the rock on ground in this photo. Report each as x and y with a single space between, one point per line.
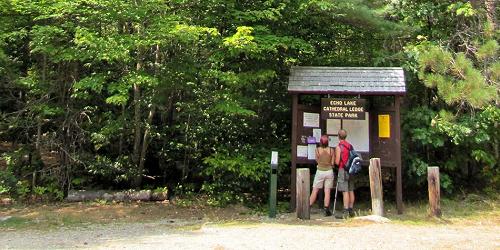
373 218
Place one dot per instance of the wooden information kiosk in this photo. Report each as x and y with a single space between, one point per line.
363 101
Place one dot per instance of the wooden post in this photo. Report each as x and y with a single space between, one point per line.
434 191
303 192
376 187
295 103
397 154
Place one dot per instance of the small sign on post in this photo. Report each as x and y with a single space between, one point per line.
273 183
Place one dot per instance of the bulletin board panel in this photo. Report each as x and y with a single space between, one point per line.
358 133
304 132
383 139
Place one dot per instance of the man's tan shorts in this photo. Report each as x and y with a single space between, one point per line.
323 178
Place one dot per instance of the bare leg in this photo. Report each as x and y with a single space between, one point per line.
327 197
313 196
346 197
351 199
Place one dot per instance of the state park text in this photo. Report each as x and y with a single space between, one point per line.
353 109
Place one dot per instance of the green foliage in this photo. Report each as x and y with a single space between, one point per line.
454 55
489 50
16 180
4 189
40 191
109 171
88 86
462 9
22 189
456 79
110 91
7 181
240 176
234 175
242 41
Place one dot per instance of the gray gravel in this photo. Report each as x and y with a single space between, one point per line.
279 234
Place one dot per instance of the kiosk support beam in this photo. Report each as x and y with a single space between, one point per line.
399 181
295 104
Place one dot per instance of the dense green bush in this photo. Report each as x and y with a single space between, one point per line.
240 176
17 179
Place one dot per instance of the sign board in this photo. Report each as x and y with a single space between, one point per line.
308 119
351 109
274 158
384 126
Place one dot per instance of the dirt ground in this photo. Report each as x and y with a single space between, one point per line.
191 226
266 235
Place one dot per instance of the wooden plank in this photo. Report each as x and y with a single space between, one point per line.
303 192
353 78
376 84
333 87
376 187
295 104
434 191
336 87
397 155
351 75
345 68
329 80
348 91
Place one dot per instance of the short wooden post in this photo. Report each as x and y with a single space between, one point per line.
434 191
376 187
303 192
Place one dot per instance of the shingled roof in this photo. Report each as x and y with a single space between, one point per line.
347 80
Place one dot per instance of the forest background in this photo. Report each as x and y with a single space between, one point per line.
192 94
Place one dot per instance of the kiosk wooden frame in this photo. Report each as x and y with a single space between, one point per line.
382 88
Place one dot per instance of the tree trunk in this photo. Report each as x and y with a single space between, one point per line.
145 144
120 140
137 136
490 13
145 140
137 120
38 134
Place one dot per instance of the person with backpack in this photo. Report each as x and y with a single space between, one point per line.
345 181
324 173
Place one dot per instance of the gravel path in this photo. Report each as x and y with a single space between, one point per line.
170 234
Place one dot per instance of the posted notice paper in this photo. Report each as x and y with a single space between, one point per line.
311 151
333 141
317 134
332 126
301 151
311 120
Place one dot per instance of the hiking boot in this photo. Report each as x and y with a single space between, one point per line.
351 212
327 212
345 214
